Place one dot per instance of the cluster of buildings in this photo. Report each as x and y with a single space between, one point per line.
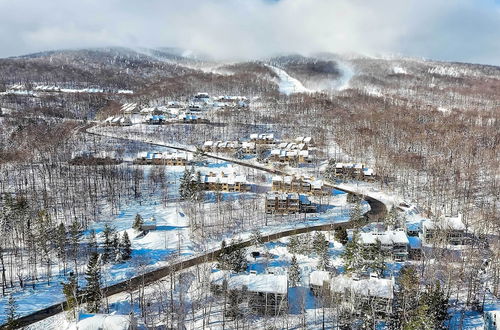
224 182
247 147
159 158
300 185
353 171
192 111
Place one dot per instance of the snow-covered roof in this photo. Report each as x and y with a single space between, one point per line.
374 287
281 196
269 283
446 223
208 143
318 277
389 237
220 178
103 321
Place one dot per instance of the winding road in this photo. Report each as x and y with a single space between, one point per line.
377 210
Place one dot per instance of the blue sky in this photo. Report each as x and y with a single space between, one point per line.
454 30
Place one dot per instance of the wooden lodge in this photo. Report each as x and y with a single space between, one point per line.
158 158
300 185
225 182
266 294
288 203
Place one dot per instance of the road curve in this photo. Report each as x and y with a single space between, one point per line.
377 210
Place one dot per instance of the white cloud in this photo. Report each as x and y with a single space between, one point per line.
464 30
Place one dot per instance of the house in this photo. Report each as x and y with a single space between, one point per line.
290 184
394 243
450 227
371 294
286 155
157 120
221 146
265 138
413 229
106 321
492 320
225 182
282 203
266 294
249 148
354 171
149 224
415 248
158 158
318 188
319 281
288 203
307 140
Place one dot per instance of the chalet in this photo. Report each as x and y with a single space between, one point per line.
149 224
221 146
415 248
289 156
158 158
282 203
307 140
224 182
288 203
394 243
266 294
290 184
318 188
354 171
248 147
319 280
364 294
450 227
157 119
266 138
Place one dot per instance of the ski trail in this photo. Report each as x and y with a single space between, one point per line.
288 84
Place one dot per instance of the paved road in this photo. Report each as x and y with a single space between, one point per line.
377 209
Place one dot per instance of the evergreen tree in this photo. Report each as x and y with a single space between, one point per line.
352 255
324 260
71 292
356 216
406 298
108 234
138 222
125 247
293 245
186 184
294 272
93 288
341 235
92 248
330 170
420 319
115 243
232 258
437 301
11 312
319 244
374 258
74 241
